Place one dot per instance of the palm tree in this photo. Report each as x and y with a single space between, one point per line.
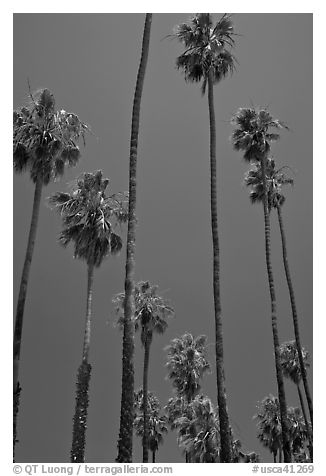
88 217
299 434
198 431
187 364
275 179
238 456
44 142
127 391
253 135
269 426
151 314
157 423
208 59
292 369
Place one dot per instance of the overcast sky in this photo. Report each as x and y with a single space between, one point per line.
89 62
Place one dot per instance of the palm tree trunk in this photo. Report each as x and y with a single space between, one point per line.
145 400
87 334
21 302
127 392
77 453
294 314
220 378
303 408
153 457
279 375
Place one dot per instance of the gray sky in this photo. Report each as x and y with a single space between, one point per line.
90 61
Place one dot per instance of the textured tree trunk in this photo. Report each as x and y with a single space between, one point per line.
77 453
220 378
127 392
274 457
279 375
87 334
145 400
294 314
21 303
303 408
153 457
280 455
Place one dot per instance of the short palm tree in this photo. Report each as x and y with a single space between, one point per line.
89 217
292 369
127 384
299 434
198 431
157 423
44 142
275 180
151 315
269 426
187 364
207 59
253 135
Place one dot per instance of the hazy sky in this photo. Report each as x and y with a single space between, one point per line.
89 62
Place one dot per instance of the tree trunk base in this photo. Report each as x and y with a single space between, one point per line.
16 400
77 453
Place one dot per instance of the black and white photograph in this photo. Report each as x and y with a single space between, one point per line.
162 214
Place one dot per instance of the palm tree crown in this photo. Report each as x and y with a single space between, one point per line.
290 361
187 363
275 179
89 218
151 310
269 424
253 133
157 423
206 48
198 431
44 140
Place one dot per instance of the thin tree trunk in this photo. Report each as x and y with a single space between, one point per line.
145 400
127 392
280 455
303 408
220 378
279 375
274 456
153 457
294 314
77 453
21 303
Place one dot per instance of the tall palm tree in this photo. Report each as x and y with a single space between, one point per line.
275 180
198 431
151 314
187 364
157 423
253 136
127 391
292 369
44 142
207 58
89 217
